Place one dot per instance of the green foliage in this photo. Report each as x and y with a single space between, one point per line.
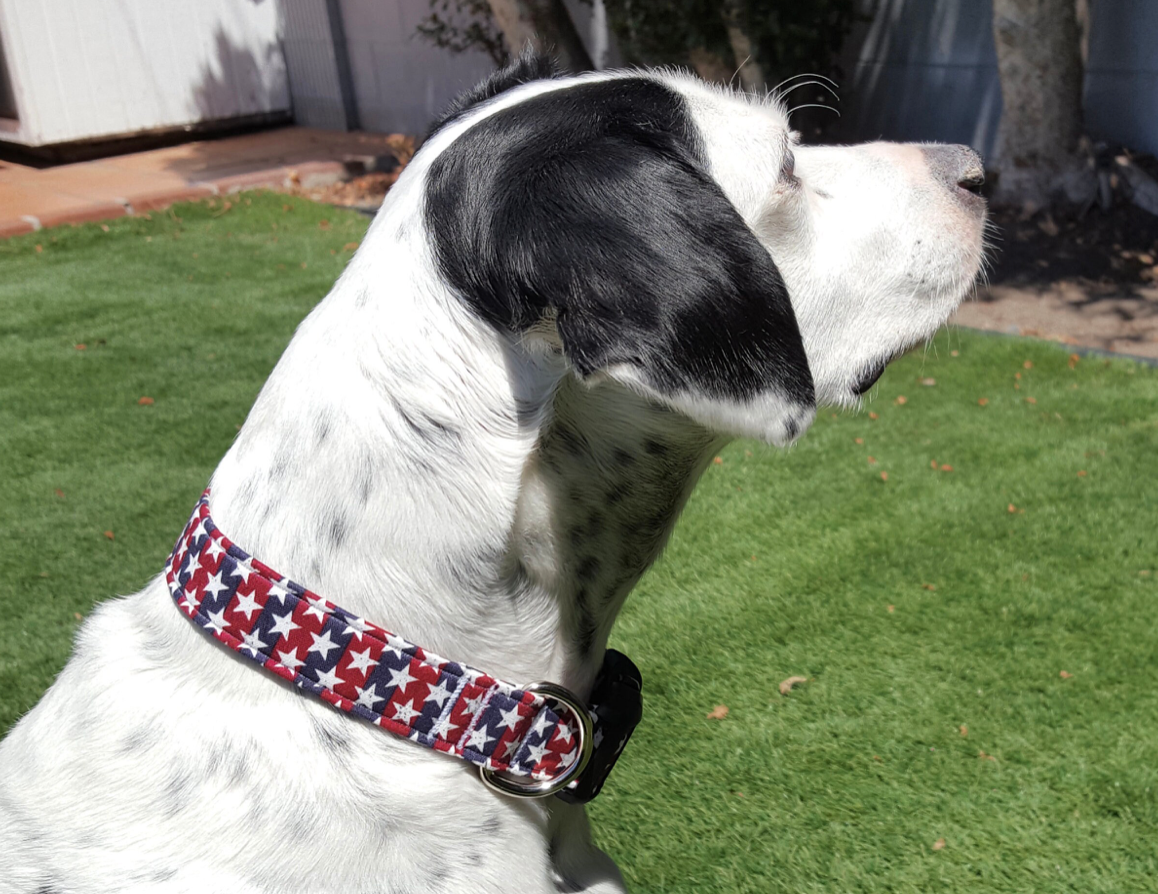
784 563
461 25
790 37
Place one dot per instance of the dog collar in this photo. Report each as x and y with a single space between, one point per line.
541 733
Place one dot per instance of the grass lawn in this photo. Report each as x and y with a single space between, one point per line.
937 744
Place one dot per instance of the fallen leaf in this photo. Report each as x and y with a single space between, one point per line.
1082 473
954 353
58 492
1074 358
891 608
877 757
303 265
929 587
78 616
983 402
985 757
1012 509
874 417
350 246
860 440
105 227
1065 675
747 453
109 535
872 460
145 401
963 730
39 249
932 464
939 844
719 712
1016 387
719 460
44 574
323 224
884 476
751 558
946 468
81 347
786 686
1017 375
1027 365
1031 400
928 383
901 399
286 208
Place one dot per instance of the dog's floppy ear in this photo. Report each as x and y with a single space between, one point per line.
592 202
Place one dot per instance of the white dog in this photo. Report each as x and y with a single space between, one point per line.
576 292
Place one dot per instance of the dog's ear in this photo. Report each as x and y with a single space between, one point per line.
592 202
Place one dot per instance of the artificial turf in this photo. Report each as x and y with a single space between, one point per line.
936 744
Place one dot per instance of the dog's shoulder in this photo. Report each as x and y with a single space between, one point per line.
529 66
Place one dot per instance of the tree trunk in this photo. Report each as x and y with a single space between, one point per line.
1039 62
546 26
748 68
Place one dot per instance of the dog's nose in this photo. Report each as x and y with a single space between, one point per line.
956 166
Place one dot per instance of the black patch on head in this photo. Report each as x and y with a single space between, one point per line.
530 66
594 203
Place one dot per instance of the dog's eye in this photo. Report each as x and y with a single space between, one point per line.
788 167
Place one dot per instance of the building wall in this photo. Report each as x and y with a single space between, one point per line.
927 70
84 69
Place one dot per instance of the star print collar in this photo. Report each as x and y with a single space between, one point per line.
360 667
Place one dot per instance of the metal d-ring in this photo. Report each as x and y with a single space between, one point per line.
507 785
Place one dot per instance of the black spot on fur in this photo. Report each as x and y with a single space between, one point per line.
588 569
322 427
333 743
528 67
339 528
162 875
655 448
623 458
594 203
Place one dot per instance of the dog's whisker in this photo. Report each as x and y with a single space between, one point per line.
813 105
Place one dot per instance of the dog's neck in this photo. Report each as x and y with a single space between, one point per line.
412 465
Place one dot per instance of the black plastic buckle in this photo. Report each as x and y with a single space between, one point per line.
617 707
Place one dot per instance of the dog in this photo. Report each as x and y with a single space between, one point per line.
575 293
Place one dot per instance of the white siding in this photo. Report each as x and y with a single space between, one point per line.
83 69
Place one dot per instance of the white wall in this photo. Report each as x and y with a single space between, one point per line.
83 69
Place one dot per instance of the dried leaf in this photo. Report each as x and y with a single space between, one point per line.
39 249
963 730
323 224
946 468
884 476
928 383
872 460
58 492
109 535
1065 675
350 246
932 464
929 587
939 844
985 757
954 353
983 402
786 686
145 401
81 347
877 757
1031 400
1017 375
874 417
78 616
719 461
303 265
105 227
1027 365
1082 473
901 399
1074 359
891 609
1012 509
860 440
719 712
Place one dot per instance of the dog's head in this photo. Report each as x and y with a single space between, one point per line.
675 238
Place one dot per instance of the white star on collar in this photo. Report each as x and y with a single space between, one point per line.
368 697
323 645
361 661
246 604
253 643
479 736
510 719
290 659
283 625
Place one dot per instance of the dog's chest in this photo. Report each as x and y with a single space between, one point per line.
611 474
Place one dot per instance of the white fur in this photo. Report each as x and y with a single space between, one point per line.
160 762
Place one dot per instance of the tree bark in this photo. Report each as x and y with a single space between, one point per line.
546 26
1040 66
748 68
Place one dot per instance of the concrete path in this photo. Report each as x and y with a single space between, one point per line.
132 184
